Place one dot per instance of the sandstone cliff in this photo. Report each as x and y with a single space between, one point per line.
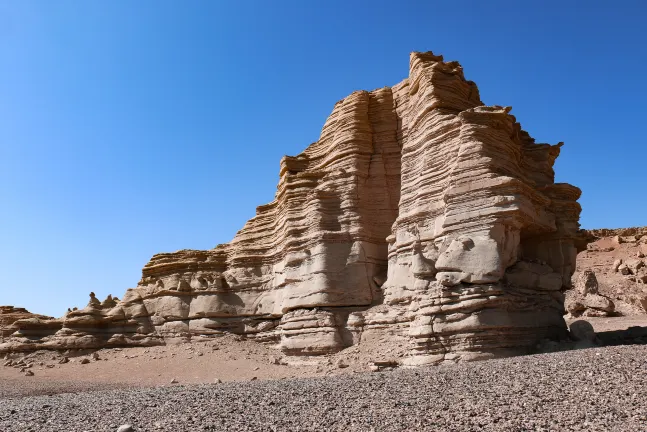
419 212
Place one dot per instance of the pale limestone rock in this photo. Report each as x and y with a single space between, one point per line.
489 227
417 213
574 306
305 331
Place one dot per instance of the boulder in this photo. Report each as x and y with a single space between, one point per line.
587 283
634 265
575 307
582 331
596 301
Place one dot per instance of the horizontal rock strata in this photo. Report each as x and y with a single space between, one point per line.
9 315
418 212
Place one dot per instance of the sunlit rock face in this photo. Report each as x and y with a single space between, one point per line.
320 244
419 212
484 240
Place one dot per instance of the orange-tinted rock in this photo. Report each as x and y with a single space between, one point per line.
618 258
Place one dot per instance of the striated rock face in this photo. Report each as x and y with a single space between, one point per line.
9 315
99 324
419 212
320 243
484 240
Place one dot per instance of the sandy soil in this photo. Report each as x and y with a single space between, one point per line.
605 324
597 389
224 359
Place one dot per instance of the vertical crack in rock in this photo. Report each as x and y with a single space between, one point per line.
418 212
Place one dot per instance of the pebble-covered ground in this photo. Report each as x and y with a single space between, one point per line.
590 389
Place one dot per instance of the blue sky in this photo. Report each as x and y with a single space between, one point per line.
131 128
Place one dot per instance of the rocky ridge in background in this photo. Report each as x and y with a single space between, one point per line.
419 213
611 275
599 233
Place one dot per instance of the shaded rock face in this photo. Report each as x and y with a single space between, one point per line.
418 212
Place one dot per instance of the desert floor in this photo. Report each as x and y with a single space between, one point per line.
230 384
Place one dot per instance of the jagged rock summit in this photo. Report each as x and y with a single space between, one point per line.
419 213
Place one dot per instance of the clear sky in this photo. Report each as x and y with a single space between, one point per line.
131 128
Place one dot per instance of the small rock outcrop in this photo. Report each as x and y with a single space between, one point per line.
9 315
419 212
99 324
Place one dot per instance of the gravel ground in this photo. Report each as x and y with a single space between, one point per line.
14 388
592 389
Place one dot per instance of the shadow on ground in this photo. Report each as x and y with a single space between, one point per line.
635 335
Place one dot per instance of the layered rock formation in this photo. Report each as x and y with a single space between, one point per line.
418 212
9 315
484 240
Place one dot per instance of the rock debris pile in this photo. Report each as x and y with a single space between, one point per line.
611 275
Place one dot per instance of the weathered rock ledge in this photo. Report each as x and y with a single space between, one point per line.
9 315
419 212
